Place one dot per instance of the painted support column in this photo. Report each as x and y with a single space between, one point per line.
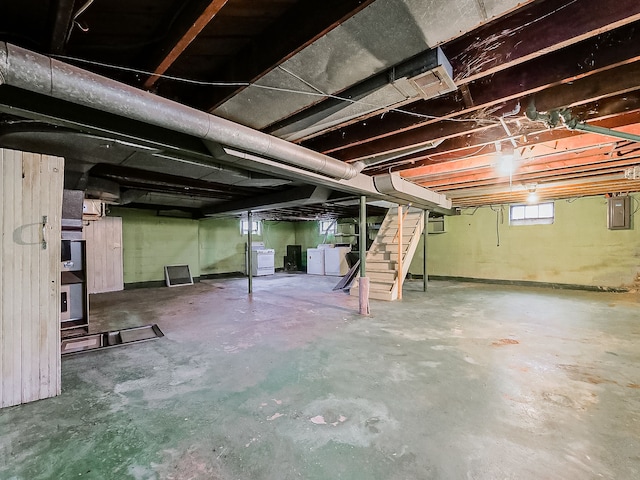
400 248
249 241
425 237
363 282
362 242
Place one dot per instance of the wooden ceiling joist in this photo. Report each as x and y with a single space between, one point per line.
279 42
397 130
185 39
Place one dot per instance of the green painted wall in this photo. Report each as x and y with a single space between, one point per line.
307 235
278 235
208 246
222 246
576 249
150 242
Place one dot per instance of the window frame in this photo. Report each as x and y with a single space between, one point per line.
244 227
328 227
531 214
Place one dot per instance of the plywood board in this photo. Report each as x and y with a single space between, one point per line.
104 255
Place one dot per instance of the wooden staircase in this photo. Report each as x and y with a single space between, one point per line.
382 257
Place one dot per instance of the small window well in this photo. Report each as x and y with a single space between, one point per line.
328 227
540 214
255 227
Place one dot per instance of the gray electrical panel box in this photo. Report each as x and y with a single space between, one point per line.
619 213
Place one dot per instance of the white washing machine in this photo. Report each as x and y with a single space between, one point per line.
315 261
262 259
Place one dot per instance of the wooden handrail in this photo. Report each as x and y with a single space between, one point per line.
403 217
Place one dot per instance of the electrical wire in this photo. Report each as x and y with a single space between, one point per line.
498 211
272 88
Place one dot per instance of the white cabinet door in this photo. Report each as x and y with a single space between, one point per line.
104 255
30 210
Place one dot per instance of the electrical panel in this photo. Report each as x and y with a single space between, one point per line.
619 213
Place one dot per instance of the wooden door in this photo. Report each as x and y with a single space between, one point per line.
30 209
104 255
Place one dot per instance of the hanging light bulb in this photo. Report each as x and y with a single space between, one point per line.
505 159
533 196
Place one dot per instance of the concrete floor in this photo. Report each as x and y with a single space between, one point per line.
469 381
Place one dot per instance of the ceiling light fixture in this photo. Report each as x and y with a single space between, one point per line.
533 196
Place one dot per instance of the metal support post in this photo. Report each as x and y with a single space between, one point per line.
249 240
400 249
362 239
425 237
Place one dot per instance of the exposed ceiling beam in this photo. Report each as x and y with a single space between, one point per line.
538 172
286 37
60 19
518 37
539 146
607 83
578 62
184 40
604 113
598 185
514 39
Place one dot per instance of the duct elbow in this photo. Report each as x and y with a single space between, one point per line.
358 167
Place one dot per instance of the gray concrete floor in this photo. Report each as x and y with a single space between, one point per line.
469 381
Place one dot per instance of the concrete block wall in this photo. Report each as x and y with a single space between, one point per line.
577 249
210 246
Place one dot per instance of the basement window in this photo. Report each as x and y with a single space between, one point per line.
255 227
328 227
540 214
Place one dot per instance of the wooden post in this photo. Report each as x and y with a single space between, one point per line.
400 252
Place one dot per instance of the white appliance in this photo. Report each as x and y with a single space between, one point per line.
315 261
335 261
262 259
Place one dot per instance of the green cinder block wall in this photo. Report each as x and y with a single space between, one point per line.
223 247
577 249
151 242
210 246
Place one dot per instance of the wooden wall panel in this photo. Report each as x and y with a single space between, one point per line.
104 255
31 188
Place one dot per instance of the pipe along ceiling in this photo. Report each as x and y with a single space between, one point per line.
226 140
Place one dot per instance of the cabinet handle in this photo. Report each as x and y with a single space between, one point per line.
44 232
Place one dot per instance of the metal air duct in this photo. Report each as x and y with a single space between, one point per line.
40 74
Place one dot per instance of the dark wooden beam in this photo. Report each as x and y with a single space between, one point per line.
60 19
588 63
538 28
176 46
516 38
299 27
